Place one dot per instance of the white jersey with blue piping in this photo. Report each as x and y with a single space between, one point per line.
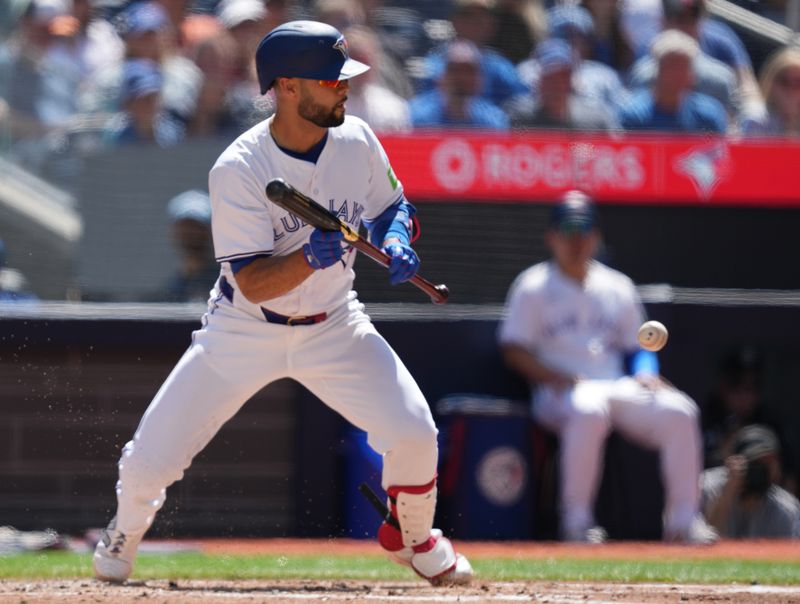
584 329
352 177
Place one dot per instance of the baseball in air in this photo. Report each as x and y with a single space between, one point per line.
653 335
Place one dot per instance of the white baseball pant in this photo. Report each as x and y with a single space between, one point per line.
664 419
342 360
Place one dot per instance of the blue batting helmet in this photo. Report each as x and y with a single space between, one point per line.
304 49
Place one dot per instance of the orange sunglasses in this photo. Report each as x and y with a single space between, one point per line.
330 83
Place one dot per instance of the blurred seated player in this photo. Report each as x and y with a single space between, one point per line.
398 30
228 102
641 21
780 85
474 22
368 98
671 104
143 119
82 48
519 26
341 14
743 499
455 102
23 86
147 34
610 44
556 105
736 400
590 79
13 284
719 41
571 331
190 230
711 77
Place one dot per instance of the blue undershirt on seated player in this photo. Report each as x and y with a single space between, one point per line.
642 362
312 155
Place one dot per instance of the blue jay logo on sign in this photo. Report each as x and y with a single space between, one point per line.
706 167
341 46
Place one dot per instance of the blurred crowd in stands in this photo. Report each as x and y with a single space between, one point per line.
82 75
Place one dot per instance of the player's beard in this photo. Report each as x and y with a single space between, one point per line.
319 114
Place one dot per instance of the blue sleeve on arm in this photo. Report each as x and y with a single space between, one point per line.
237 265
394 221
642 361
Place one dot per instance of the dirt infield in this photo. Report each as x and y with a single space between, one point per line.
357 592
362 592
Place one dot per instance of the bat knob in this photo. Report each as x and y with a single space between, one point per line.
276 188
442 294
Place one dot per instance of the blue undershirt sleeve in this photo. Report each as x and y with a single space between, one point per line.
641 362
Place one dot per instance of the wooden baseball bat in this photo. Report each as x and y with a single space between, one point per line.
378 504
290 199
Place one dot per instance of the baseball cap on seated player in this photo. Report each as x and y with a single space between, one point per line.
190 205
305 49
674 41
554 55
140 77
235 12
463 51
45 11
574 213
140 18
755 440
568 19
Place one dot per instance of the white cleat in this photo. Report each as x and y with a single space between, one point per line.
699 532
440 565
461 574
595 535
115 554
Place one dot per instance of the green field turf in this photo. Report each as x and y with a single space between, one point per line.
52 565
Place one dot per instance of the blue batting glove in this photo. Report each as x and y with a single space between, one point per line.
324 248
404 264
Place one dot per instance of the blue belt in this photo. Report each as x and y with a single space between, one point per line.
274 317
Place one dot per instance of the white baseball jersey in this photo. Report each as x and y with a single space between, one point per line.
352 178
579 329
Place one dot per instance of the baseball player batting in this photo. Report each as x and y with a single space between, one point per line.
283 306
570 324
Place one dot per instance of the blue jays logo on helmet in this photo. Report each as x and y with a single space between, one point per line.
341 46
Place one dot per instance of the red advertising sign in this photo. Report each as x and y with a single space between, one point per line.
535 167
